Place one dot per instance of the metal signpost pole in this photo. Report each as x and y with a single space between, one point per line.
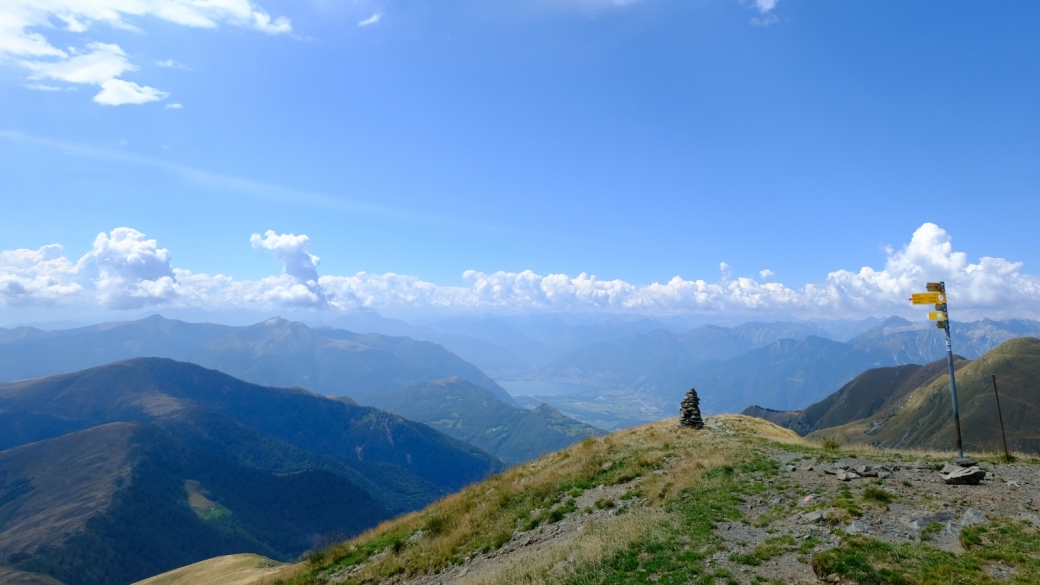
937 295
953 381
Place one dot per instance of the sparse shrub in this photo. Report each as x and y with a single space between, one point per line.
605 503
831 444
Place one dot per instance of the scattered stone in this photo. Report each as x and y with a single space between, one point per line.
777 500
841 465
830 471
965 476
1031 518
791 468
921 521
922 464
807 468
965 462
884 475
990 476
859 527
690 411
973 516
812 517
861 469
847 475
949 468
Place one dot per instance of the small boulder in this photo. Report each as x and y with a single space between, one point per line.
812 517
973 516
830 471
965 462
847 475
884 475
965 476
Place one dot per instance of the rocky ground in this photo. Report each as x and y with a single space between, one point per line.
806 509
798 503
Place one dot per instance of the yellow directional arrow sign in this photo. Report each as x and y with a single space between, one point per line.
932 298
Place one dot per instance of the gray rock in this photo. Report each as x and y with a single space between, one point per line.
922 464
862 469
1031 518
847 475
808 468
973 516
812 517
830 471
790 468
965 462
841 465
990 476
859 527
949 468
965 476
920 522
884 475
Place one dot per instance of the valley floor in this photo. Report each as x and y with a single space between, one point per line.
741 501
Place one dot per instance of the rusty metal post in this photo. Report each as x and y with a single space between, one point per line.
1007 456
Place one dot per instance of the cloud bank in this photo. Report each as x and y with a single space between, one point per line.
125 270
24 23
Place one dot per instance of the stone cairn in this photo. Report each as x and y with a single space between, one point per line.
690 411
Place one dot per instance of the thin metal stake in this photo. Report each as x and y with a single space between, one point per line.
1007 456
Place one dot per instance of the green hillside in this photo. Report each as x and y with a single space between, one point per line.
923 419
472 414
120 502
873 391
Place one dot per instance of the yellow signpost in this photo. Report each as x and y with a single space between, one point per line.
929 298
936 295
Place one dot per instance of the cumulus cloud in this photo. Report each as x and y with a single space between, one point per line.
23 42
766 274
173 107
298 263
126 270
129 271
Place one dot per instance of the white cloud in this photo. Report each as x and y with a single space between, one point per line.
297 262
765 10
766 274
172 107
23 24
371 20
126 270
129 271
116 92
172 63
41 87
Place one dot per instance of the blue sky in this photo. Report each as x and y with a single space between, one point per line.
631 141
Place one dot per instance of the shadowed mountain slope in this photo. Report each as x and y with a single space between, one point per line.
474 415
153 388
122 501
922 418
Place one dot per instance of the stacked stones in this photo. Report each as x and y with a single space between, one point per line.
690 411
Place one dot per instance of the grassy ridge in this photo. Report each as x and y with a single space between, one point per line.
676 485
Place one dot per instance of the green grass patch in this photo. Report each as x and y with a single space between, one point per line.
676 552
868 561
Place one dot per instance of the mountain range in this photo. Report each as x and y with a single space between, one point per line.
275 352
118 472
780 366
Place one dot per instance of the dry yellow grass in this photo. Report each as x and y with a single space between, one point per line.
668 459
244 569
